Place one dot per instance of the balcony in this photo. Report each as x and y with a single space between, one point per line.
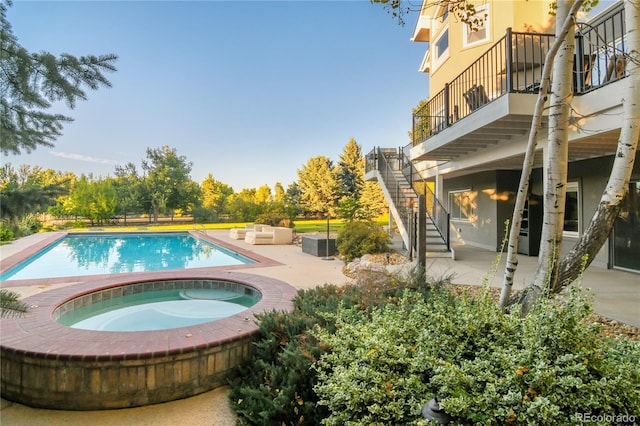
491 102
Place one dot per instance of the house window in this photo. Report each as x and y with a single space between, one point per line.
443 13
442 44
572 210
462 205
441 48
479 31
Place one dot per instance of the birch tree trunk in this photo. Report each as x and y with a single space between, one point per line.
602 221
527 166
557 157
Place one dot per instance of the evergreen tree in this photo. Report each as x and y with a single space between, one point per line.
215 194
319 186
292 199
372 200
263 194
351 171
280 194
18 202
31 82
28 190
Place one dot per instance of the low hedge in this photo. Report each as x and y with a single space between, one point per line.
374 355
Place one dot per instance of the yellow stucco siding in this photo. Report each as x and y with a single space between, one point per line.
520 15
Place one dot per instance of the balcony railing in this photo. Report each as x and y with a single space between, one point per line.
600 52
514 65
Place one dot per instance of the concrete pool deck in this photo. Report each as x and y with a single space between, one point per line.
617 296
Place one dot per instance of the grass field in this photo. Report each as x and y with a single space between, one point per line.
301 226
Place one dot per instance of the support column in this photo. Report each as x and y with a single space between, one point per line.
422 233
439 187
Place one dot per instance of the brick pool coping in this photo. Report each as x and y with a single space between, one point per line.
11 261
38 335
46 364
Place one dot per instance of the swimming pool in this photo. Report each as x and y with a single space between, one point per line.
96 254
159 309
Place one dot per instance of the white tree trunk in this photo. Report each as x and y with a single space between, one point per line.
527 166
600 226
594 237
557 157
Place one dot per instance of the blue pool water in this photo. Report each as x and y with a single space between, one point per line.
117 253
158 310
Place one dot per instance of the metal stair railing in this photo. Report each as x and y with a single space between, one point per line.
435 210
404 197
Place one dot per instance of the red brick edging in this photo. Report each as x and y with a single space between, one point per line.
46 364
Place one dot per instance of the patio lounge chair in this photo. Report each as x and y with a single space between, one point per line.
239 233
270 235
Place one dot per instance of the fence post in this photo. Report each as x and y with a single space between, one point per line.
447 120
508 43
579 83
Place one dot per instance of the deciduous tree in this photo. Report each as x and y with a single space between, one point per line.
554 274
167 182
601 224
561 272
128 187
96 200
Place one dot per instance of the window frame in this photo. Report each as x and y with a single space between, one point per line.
437 56
466 29
574 187
451 195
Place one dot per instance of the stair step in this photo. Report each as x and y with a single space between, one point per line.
403 189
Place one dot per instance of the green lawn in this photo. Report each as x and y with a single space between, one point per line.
302 226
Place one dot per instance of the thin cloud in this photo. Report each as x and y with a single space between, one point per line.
84 158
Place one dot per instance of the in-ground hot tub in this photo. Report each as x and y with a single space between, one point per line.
50 365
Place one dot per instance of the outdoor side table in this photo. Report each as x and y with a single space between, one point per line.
316 245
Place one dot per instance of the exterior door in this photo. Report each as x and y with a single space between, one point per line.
626 231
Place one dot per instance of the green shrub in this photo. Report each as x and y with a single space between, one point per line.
486 367
276 387
357 238
29 225
6 233
74 224
369 374
204 215
557 368
275 219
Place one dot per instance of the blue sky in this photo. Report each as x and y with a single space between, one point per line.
248 91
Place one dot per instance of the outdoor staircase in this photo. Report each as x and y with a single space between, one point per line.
388 167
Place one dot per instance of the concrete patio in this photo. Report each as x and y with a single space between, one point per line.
617 296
